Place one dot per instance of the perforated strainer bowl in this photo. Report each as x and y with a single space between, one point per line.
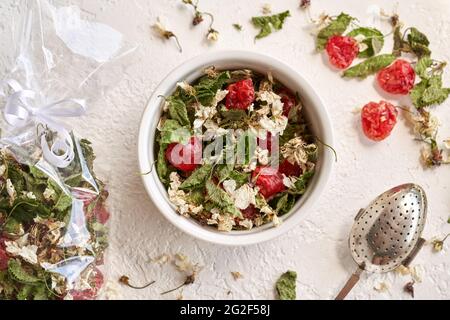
388 232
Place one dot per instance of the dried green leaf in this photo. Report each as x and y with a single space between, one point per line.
237 26
302 183
173 132
374 40
336 27
269 23
161 165
220 198
207 87
197 178
178 111
429 92
19 274
415 36
369 66
422 67
286 286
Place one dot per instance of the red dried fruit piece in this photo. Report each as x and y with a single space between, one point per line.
289 169
398 78
96 281
250 213
240 95
185 157
270 143
4 258
269 180
288 99
101 214
342 51
378 120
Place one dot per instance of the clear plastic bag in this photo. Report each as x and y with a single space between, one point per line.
53 214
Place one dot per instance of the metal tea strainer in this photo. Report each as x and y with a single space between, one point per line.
388 232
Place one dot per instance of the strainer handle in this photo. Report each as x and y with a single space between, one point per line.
350 284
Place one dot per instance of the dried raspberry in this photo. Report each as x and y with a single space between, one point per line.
3 258
96 281
398 78
342 51
289 169
185 157
270 143
250 213
101 214
288 99
378 120
240 95
269 181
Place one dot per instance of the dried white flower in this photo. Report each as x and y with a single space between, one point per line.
289 182
186 87
226 223
11 190
29 195
213 35
19 249
262 155
381 287
2 170
247 224
275 125
276 220
49 193
267 8
162 259
297 151
244 197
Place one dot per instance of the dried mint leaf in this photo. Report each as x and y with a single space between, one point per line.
178 111
422 67
302 183
336 27
429 92
173 132
415 36
369 66
269 23
374 40
197 178
222 199
19 274
161 166
207 87
286 286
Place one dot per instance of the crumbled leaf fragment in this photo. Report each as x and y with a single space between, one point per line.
197 178
286 286
269 23
237 26
372 38
336 27
370 66
236 275
409 288
19 274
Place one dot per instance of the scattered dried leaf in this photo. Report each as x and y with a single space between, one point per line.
237 275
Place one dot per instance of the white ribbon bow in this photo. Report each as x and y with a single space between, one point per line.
20 110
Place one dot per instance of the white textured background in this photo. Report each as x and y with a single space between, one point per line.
317 248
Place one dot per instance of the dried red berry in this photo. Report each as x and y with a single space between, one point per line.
240 95
378 120
185 157
250 213
3 258
288 99
289 169
96 281
269 180
398 78
342 51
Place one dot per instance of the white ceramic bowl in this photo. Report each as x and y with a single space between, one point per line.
190 71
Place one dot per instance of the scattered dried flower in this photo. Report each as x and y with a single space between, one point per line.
304 4
166 34
236 275
381 287
267 8
126 281
162 259
213 35
409 288
438 245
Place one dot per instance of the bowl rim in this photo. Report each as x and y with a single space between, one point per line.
150 119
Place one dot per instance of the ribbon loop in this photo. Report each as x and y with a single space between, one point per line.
20 110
